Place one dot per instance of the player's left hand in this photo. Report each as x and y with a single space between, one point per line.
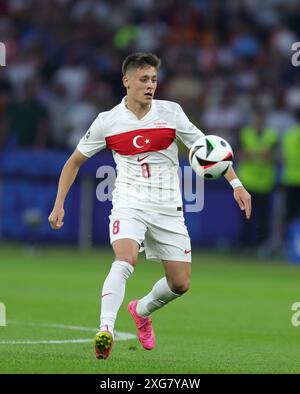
243 198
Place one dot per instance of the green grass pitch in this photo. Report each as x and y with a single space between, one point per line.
235 319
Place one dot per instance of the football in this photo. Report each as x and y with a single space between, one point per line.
211 156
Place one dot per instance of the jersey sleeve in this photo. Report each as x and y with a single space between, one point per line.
185 129
94 140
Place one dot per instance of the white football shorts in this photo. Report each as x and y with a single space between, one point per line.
164 237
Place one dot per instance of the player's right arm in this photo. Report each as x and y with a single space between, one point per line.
67 177
91 143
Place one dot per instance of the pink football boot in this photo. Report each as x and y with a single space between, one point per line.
144 328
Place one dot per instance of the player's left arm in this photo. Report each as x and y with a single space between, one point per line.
189 133
185 129
242 197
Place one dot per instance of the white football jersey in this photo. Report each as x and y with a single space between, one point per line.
145 152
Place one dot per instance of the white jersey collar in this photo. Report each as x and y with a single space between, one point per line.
149 113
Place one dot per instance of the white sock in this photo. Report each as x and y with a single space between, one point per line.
159 296
113 292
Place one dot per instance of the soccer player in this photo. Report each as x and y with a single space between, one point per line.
147 204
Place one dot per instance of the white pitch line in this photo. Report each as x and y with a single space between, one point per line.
63 326
52 342
119 336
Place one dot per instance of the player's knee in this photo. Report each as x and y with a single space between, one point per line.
130 259
181 287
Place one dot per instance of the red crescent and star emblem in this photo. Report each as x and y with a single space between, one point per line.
139 141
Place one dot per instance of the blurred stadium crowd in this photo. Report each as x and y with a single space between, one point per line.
226 62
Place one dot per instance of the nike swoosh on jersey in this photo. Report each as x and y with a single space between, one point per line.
187 251
142 158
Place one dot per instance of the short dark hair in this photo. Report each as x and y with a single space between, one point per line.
140 60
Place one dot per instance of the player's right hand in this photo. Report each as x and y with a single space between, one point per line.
56 218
